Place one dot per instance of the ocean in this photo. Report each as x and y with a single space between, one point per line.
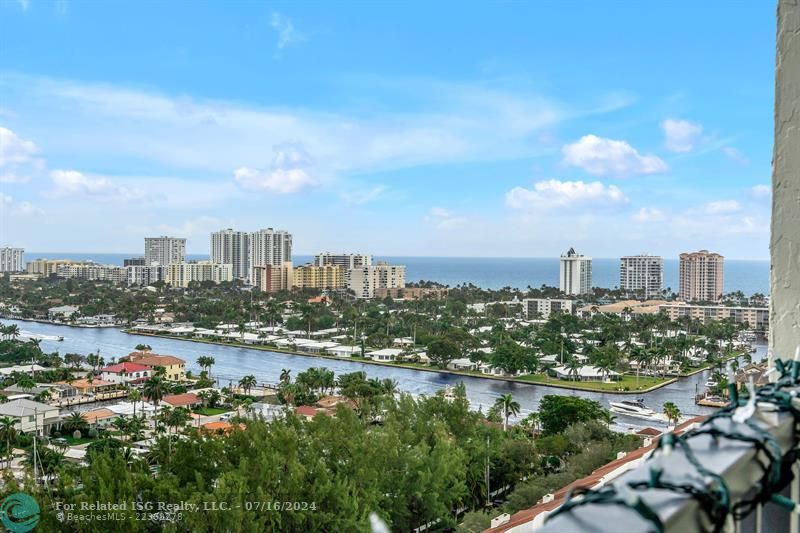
749 277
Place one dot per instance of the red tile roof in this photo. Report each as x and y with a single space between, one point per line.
306 410
649 432
151 359
527 515
126 368
182 400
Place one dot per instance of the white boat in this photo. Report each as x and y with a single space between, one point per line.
635 409
711 384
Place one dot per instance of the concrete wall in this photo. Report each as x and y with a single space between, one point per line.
785 241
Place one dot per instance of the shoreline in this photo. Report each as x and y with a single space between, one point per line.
411 367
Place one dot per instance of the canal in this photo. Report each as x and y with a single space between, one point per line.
233 362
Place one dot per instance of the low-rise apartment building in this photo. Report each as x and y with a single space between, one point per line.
93 272
46 267
319 277
541 308
146 275
182 274
273 278
412 293
757 318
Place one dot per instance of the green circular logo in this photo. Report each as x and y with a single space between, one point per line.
19 512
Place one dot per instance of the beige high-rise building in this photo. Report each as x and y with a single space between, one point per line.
319 277
701 276
273 278
363 281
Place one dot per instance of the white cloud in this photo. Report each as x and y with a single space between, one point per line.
735 155
470 123
602 157
722 207
445 219
761 191
74 183
363 196
288 173
551 194
13 178
681 135
199 227
287 34
14 150
14 208
649 214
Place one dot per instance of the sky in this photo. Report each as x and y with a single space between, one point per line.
492 129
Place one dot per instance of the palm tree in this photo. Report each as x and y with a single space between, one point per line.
74 422
390 386
134 396
672 412
154 389
247 383
205 362
508 407
177 418
285 375
8 431
574 367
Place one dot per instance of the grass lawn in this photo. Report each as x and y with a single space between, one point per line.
211 411
626 383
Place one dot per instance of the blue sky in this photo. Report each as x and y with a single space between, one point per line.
457 129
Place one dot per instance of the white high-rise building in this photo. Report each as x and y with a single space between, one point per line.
12 259
346 261
576 273
641 273
364 280
164 250
231 247
270 247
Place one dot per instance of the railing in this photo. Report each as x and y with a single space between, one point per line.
707 479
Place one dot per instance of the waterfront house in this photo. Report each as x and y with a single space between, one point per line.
463 363
126 372
384 355
344 351
53 391
585 373
82 386
175 367
61 312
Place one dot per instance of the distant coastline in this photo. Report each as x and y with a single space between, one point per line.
748 276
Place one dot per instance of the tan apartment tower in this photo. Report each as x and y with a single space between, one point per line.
701 276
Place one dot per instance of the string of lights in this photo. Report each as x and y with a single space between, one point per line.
734 423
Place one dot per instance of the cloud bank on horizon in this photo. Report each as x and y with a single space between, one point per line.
356 138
